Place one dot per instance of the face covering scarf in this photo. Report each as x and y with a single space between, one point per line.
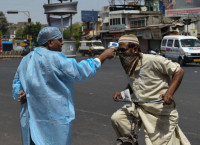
129 61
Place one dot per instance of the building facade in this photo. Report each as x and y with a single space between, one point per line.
150 20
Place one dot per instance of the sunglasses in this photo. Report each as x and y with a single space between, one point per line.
122 50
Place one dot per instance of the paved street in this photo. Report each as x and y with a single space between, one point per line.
94 105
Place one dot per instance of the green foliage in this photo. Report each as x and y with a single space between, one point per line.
3 23
35 29
76 30
1 34
20 34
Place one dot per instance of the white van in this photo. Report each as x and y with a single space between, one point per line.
182 49
91 47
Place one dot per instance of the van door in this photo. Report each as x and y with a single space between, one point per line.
169 49
176 49
163 47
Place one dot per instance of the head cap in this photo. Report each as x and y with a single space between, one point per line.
129 38
48 33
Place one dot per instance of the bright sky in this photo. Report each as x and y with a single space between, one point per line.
35 7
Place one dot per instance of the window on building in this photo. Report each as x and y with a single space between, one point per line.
118 21
115 21
137 23
123 21
111 21
170 43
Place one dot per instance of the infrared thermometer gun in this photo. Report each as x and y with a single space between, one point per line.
113 44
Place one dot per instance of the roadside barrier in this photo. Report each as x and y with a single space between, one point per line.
10 54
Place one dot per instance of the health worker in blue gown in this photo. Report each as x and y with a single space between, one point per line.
44 83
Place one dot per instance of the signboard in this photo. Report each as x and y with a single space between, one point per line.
156 34
89 16
29 37
136 33
136 2
169 4
181 12
117 27
194 32
188 1
12 36
181 4
59 22
146 34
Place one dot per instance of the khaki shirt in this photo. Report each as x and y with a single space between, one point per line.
151 77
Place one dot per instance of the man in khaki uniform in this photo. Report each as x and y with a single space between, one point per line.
150 77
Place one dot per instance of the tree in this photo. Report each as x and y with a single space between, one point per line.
76 29
3 23
35 29
20 33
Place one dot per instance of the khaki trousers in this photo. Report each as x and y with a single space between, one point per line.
121 122
122 119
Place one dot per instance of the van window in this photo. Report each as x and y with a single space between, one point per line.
88 44
97 44
164 42
170 43
197 43
83 44
190 43
176 43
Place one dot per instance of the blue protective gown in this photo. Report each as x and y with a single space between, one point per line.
48 77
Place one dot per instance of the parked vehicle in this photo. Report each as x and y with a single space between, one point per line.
7 46
18 48
182 49
25 51
92 47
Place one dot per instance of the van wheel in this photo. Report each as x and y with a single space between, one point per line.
181 62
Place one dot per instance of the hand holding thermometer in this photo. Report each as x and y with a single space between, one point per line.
113 45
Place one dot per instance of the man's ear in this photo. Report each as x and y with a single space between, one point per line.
136 49
49 41
48 44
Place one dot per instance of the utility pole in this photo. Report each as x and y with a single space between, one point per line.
187 22
1 46
93 26
71 33
62 27
48 16
27 13
29 36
